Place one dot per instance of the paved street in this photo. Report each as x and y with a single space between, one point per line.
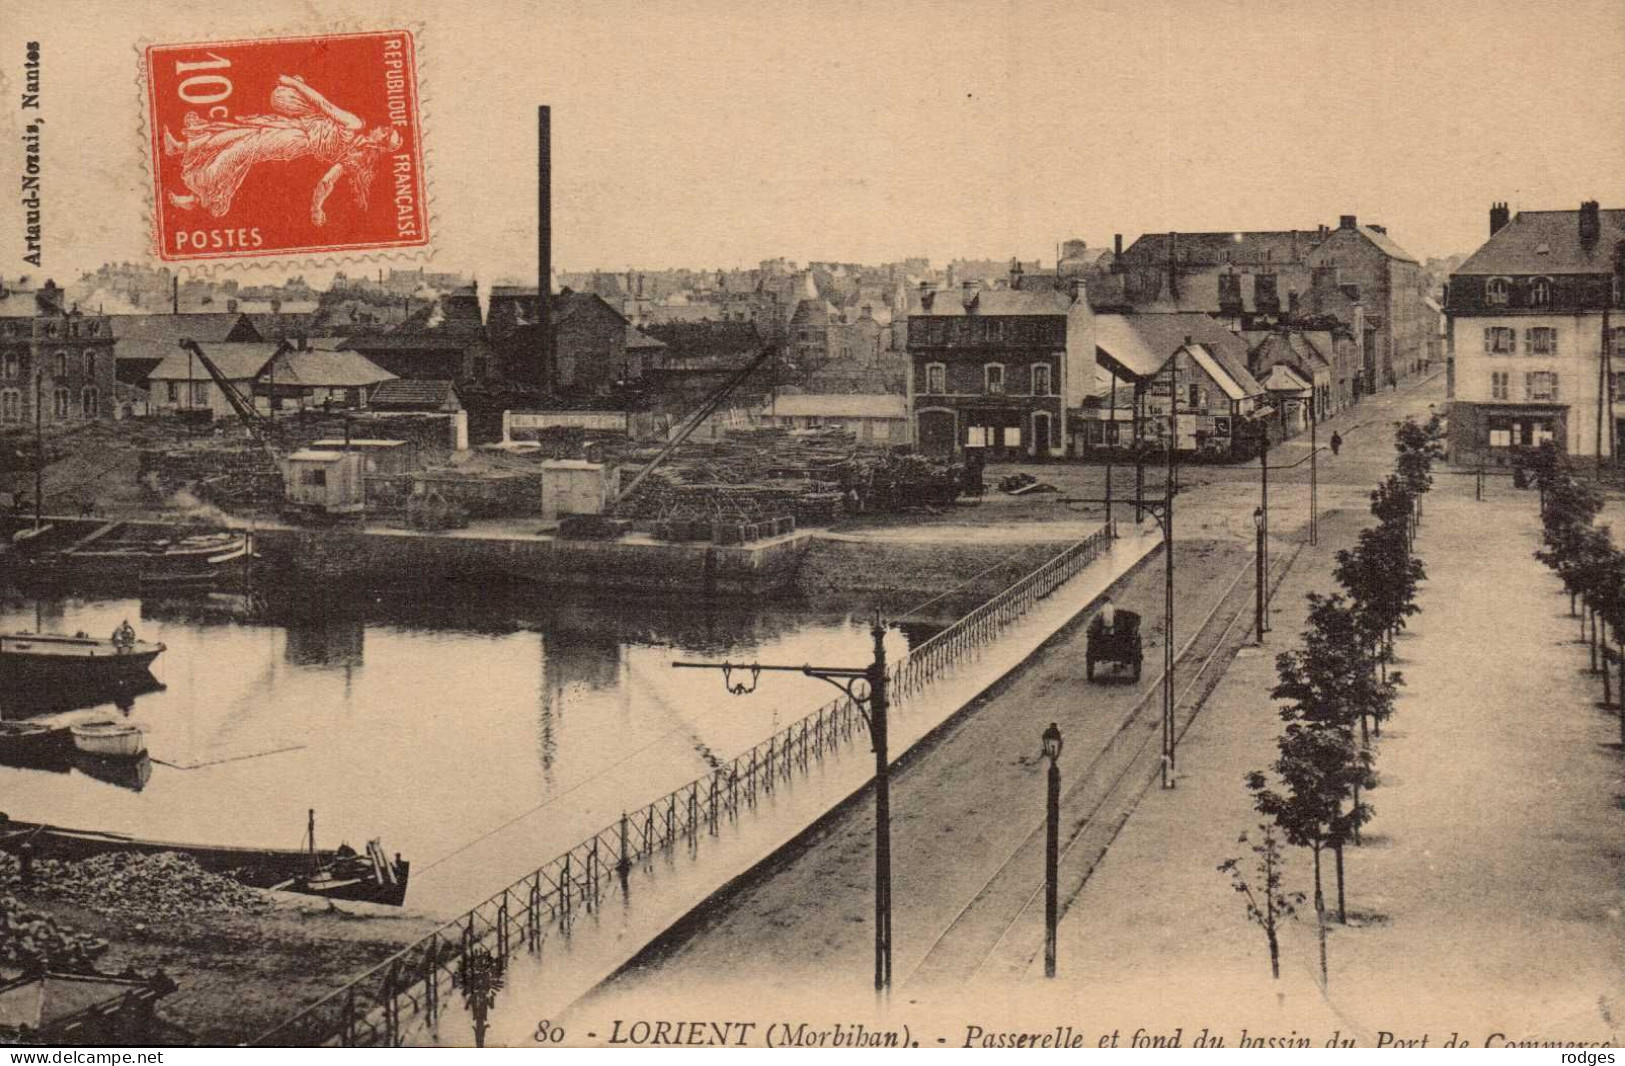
1486 897
1495 844
964 805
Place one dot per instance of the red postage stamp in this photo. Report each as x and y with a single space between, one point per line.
286 146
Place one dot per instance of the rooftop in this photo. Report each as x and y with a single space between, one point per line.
238 361
1517 247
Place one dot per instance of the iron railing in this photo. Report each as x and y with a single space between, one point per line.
372 1009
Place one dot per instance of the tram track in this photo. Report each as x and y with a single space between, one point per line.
1007 909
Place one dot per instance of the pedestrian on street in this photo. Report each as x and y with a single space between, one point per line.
1337 442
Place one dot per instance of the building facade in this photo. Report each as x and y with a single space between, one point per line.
991 369
1535 319
55 355
1392 287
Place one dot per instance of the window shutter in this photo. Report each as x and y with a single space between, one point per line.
1554 386
1488 348
1529 342
1529 385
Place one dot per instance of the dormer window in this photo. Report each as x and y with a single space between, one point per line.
1540 292
1496 291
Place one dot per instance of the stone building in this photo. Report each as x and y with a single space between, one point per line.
55 352
991 369
1392 287
1536 328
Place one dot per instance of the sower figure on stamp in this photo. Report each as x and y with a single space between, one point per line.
217 155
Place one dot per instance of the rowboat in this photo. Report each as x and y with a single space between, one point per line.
109 740
50 658
369 878
35 745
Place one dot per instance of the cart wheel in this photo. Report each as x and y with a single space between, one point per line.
1136 674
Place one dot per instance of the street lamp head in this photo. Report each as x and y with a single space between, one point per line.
1052 742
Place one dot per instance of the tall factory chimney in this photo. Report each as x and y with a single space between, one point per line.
544 248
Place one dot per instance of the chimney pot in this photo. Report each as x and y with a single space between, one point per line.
1117 244
1590 222
1347 222
1499 217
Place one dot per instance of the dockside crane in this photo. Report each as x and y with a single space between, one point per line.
258 426
692 421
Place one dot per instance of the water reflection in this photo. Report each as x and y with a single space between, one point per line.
24 699
473 728
132 774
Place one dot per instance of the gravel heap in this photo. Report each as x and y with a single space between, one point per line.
28 939
140 887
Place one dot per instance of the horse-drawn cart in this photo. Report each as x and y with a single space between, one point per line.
1119 645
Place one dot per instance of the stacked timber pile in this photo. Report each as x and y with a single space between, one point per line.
229 475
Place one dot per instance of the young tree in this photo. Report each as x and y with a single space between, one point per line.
1381 577
1268 905
1331 684
1313 772
1570 509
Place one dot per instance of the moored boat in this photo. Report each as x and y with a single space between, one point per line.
109 740
122 552
34 658
35 745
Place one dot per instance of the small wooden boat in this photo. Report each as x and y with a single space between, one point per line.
369 878
122 552
34 744
50 658
109 740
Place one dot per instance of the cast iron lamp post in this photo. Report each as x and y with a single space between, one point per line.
1052 850
1258 555
866 688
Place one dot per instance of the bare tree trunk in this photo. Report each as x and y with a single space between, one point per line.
1320 918
1607 675
1269 931
1591 613
1619 651
1342 908
1356 807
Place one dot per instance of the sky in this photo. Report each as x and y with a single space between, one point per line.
720 134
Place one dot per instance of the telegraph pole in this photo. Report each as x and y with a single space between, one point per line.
1314 460
1168 740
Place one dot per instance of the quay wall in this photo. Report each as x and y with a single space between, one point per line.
897 573
763 569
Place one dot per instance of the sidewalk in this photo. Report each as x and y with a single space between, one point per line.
1486 898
